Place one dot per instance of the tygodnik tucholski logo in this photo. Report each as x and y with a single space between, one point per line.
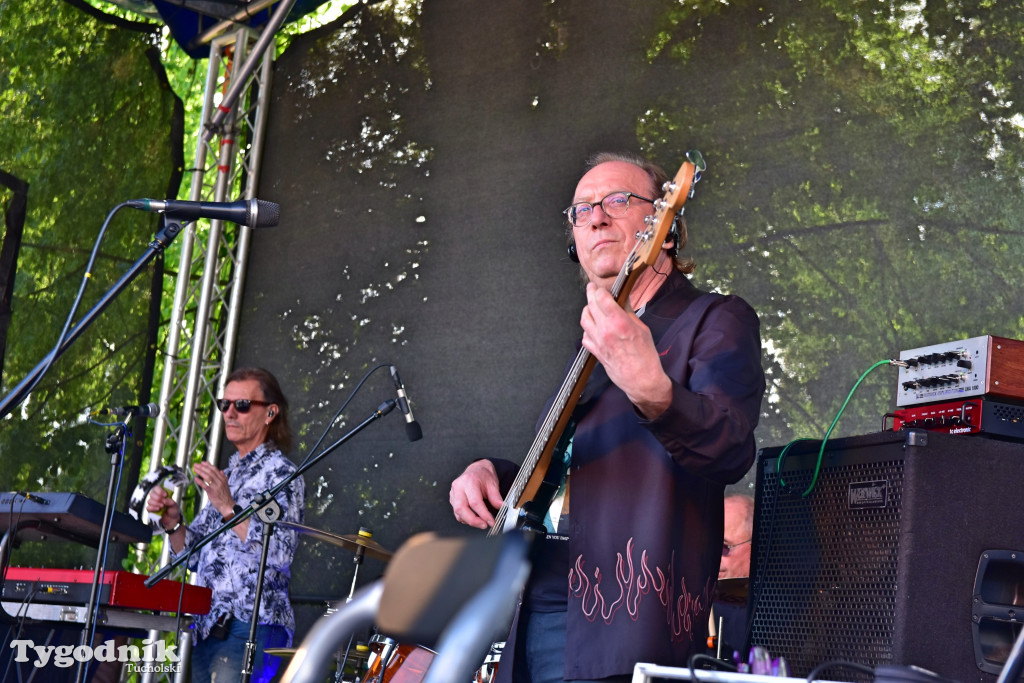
152 657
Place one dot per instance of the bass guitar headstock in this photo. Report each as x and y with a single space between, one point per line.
677 191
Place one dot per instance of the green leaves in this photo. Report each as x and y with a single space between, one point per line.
85 124
863 192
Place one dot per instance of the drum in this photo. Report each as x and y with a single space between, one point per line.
489 670
393 662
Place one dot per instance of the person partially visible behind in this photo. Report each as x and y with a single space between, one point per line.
256 421
732 610
739 531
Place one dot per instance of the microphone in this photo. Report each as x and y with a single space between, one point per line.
255 213
412 427
148 410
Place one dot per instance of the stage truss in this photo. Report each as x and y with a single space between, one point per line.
203 327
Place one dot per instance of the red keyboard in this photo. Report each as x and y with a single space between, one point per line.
119 589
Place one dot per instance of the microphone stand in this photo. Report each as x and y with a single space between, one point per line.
170 229
114 446
268 512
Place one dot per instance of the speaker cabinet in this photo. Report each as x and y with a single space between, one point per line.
906 551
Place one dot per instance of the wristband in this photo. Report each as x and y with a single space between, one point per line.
175 527
234 511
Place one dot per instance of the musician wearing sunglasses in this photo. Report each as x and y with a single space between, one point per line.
255 414
627 569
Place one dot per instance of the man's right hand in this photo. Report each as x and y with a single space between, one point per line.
474 494
161 503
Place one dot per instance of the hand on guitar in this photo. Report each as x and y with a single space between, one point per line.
623 345
474 494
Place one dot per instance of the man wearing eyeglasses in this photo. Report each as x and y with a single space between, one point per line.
739 530
255 415
665 423
730 606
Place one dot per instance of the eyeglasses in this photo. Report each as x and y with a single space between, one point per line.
726 548
242 405
614 205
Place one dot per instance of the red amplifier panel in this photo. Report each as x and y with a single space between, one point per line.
954 417
119 589
971 416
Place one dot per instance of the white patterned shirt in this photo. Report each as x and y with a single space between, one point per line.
228 565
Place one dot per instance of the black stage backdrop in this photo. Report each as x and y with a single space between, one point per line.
420 188
421 155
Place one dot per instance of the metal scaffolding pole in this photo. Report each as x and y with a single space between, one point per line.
203 327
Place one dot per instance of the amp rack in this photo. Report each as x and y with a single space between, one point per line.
980 366
971 416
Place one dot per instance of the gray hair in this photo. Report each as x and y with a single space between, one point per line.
658 178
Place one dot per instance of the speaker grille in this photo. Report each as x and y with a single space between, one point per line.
826 565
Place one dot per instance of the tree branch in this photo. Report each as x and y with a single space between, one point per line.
113 19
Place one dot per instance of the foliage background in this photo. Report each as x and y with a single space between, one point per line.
89 121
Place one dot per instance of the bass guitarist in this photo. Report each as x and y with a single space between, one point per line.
665 421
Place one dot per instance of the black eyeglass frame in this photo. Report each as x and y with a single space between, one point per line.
727 549
224 403
570 211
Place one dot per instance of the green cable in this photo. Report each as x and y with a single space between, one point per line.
821 452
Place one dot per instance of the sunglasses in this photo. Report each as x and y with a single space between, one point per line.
726 548
242 405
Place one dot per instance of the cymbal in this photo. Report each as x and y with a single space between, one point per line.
732 590
351 542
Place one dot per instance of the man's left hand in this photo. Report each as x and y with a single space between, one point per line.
215 483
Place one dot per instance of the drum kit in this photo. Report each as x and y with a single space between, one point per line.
383 660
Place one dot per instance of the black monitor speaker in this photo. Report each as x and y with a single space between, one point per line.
907 550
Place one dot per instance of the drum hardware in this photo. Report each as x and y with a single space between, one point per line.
356 543
358 655
394 662
362 544
427 573
715 633
489 669
348 669
728 592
